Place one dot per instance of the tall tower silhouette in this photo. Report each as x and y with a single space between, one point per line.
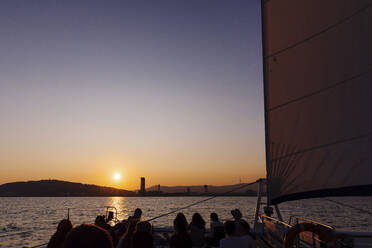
143 186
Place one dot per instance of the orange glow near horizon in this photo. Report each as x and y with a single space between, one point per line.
83 98
104 176
164 168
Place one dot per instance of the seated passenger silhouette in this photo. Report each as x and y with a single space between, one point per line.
142 237
119 229
101 222
238 217
57 239
136 215
217 230
233 240
127 239
88 236
181 237
197 230
183 217
246 229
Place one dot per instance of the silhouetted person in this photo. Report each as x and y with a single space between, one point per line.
197 230
136 215
56 241
246 229
217 230
215 222
237 215
88 236
181 237
127 239
234 241
183 217
142 237
119 230
101 222
180 218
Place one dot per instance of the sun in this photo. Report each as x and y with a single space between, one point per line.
117 176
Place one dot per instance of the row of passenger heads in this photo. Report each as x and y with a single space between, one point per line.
180 223
197 219
96 236
134 225
236 227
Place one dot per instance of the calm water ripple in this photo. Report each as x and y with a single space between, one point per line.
32 220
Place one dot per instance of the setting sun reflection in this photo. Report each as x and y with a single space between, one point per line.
119 204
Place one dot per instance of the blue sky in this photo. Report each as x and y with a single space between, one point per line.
146 88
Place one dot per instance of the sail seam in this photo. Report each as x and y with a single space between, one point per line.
348 80
320 32
322 146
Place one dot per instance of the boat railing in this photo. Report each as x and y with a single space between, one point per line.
272 219
276 231
297 219
307 238
111 214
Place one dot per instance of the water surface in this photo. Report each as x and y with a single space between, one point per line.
32 220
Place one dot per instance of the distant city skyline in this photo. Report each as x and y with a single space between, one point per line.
105 92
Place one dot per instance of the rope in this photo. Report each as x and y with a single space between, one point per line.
201 201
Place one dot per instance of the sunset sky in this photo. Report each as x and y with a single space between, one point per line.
170 90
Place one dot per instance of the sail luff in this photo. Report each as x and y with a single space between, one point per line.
265 89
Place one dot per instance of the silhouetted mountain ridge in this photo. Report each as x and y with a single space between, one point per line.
59 188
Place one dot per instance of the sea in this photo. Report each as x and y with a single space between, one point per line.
30 221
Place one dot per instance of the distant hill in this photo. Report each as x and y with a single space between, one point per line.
199 189
58 188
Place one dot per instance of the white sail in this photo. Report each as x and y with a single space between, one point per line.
318 97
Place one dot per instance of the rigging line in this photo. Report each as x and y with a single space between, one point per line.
350 206
348 80
320 32
201 201
322 146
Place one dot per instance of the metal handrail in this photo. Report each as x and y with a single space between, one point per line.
115 218
308 220
276 220
288 225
